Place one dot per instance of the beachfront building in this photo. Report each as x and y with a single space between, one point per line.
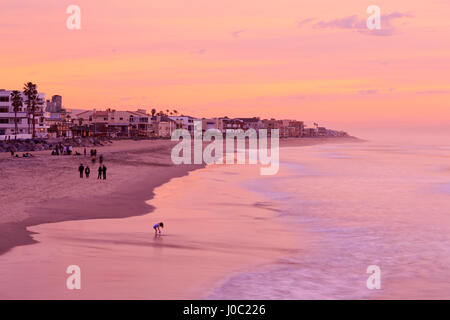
24 120
254 123
287 128
127 123
270 124
8 118
184 122
291 128
55 105
113 123
322 131
90 123
140 123
59 124
336 133
164 126
309 132
119 124
232 124
213 123
58 119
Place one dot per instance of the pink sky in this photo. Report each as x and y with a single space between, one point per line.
310 60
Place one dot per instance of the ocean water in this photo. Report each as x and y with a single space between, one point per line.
356 205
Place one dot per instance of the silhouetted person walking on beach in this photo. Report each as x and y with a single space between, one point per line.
81 169
100 171
104 172
87 172
100 159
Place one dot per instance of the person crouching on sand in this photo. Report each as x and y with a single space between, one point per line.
158 227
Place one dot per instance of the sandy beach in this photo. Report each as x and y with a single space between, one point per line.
54 193
47 189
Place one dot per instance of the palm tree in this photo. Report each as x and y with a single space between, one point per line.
40 107
175 112
153 112
30 91
17 103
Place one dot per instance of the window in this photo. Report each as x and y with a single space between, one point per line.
4 110
4 98
4 120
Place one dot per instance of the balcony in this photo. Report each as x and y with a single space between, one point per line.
11 114
11 125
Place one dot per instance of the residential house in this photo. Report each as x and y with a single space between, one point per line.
214 123
254 123
59 124
232 124
184 122
165 126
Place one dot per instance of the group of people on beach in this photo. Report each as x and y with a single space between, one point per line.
24 155
86 171
93 153
62 150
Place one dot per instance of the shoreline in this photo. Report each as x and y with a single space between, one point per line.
125 198
212 243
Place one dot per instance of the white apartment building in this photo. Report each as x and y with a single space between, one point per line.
7 118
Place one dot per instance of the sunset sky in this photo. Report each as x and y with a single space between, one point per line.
310 60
